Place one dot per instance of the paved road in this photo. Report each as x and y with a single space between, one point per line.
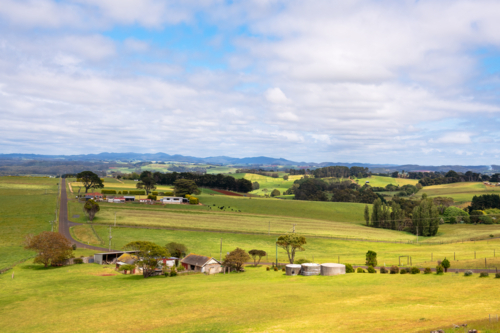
65 224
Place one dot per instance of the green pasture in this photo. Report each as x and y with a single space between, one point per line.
27 205
460 192
379 181
268 184
127 185
317 249
94 298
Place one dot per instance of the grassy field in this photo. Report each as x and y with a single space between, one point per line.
27 205
378 181
317 249
268 184
460 192
113 184
83 298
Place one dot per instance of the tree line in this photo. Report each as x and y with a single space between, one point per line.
341 172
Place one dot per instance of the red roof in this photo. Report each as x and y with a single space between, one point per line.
123 198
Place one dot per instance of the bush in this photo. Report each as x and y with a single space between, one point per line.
180 268
301 261
173 271
415 270
125 192
119 192
360 270
439 269
427 270
486 219
78 261
403 271
275 268
137 192
169 194
468 273
268 268
283 269
108 191
349 268
497 275
371 269
166 274
383 270
154 193
73 247
446 264
193 200
152 197
484 274
394 270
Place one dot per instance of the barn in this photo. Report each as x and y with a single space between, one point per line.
202 264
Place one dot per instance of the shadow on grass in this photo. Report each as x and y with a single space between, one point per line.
40 267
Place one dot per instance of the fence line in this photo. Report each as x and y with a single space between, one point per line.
15 264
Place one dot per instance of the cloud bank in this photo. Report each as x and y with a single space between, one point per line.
365 81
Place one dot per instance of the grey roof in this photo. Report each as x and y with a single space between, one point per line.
196 260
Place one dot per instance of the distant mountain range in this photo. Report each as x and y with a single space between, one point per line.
246 161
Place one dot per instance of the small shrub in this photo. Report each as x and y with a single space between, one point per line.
492 236
360 270
193 200
166 274
394 270
415 270
173 271
467 273
349 268
125 192
427 270
152 197
439 269
73 247
446 264
403 271
301 261
275 268
119 192
268 268
180 268
78 261
484 274
497 275
171 194
383 270
371 269
283 269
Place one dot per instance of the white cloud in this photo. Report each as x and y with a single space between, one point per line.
136 45
275 95
455 138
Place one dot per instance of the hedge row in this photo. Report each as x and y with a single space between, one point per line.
108 192
137 192
192 200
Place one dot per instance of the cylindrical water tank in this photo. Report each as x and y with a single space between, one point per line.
332 269
293 269
310 269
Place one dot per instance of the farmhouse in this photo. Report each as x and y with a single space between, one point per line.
147 201
171 200
169 262
94 196
118 199
197 263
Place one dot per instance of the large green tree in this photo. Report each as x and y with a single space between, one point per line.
257 256
149 255
236 259
51 247
177 249
371 258
425 219
185 186
146 183
91 208
291 243
89 180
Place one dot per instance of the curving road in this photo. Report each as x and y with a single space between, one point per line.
65 224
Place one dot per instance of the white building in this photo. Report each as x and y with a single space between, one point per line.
171 200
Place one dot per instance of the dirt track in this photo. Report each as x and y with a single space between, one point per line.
65 224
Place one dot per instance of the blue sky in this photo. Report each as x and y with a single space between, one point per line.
360 81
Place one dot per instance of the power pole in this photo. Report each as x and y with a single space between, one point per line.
110 237
220 258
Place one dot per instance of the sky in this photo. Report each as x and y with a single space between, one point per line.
339 81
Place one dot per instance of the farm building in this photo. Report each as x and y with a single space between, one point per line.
197 263
147 201
108 257
126 259
93 196
129 198
171 200
118 199
169 262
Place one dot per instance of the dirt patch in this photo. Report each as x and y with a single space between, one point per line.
228 193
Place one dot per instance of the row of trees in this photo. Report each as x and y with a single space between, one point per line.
454 177
424 218
219 181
